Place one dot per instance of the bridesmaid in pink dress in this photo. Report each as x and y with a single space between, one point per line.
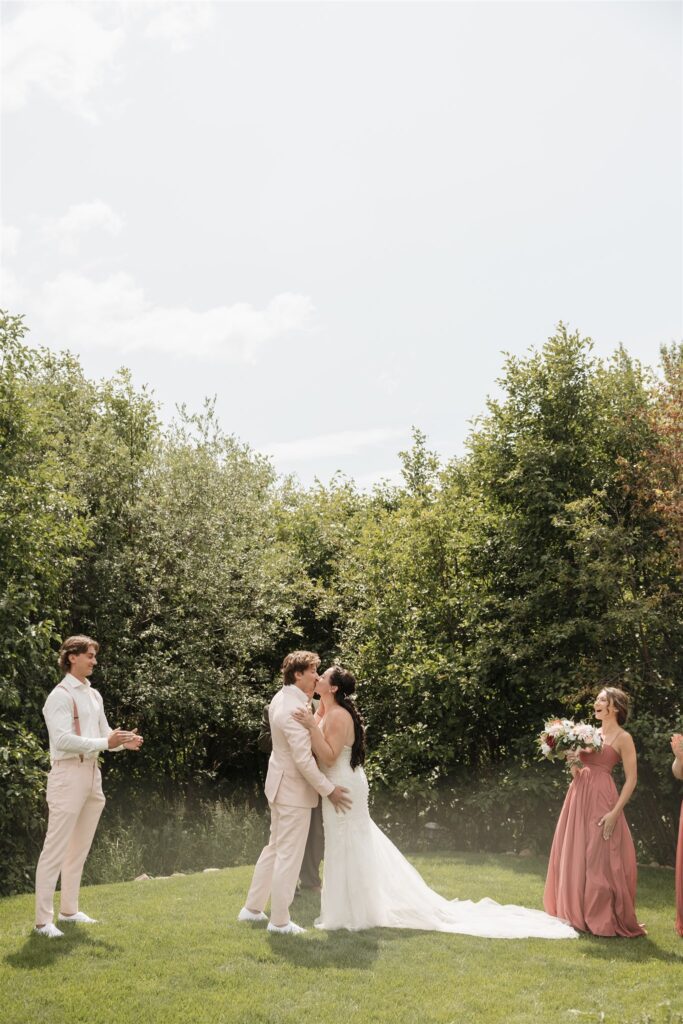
677 769
591 880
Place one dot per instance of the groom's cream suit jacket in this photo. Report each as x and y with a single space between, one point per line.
293 776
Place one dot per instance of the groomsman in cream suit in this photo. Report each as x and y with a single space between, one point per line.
78 728
292 786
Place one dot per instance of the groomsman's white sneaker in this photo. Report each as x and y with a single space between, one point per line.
50 930
247 915
78 918
286 929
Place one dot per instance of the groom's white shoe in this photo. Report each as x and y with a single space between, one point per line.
286 929
248 915
50 930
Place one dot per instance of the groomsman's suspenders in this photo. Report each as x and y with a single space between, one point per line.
77 723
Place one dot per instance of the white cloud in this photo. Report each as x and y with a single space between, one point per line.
81 313
177 22
80 218
389 382
10 240
344 442
60 49
12 294
68 50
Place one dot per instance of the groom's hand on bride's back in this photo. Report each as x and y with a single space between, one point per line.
339 799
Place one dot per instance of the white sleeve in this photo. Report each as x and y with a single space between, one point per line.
59 718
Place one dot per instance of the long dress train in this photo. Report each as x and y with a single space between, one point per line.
591 881
368 883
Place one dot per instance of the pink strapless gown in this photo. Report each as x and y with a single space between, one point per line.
591 881
679 878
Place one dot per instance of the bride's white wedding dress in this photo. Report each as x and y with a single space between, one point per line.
368 883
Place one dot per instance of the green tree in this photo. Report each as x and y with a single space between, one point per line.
214 590
42 534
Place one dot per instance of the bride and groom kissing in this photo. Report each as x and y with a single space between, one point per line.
367 883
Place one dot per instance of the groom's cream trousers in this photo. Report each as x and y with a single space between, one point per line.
76 801
277 869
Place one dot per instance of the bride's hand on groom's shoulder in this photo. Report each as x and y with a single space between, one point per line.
304 717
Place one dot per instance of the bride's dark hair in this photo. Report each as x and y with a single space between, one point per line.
345 682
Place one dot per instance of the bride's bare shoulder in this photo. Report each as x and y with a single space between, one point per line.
337 714
335 719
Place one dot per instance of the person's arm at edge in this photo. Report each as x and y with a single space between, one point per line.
677 747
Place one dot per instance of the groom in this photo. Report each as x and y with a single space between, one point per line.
292 786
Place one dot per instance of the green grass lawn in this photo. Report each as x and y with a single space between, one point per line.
171 950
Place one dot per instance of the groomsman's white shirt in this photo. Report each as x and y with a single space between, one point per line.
59 718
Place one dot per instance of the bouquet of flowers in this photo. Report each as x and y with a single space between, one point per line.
561 735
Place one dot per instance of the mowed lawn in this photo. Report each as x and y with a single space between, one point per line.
171 950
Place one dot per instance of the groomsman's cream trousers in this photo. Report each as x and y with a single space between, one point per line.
277 869
75 801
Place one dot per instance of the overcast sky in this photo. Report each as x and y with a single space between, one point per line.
336 216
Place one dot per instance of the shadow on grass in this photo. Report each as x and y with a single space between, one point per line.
641 950
39 952
343 950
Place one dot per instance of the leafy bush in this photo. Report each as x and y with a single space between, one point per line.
514 807
23 765
180 836
471 600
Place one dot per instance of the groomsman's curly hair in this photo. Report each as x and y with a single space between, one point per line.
297 661
74 645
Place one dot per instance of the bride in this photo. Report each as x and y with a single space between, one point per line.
367 882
